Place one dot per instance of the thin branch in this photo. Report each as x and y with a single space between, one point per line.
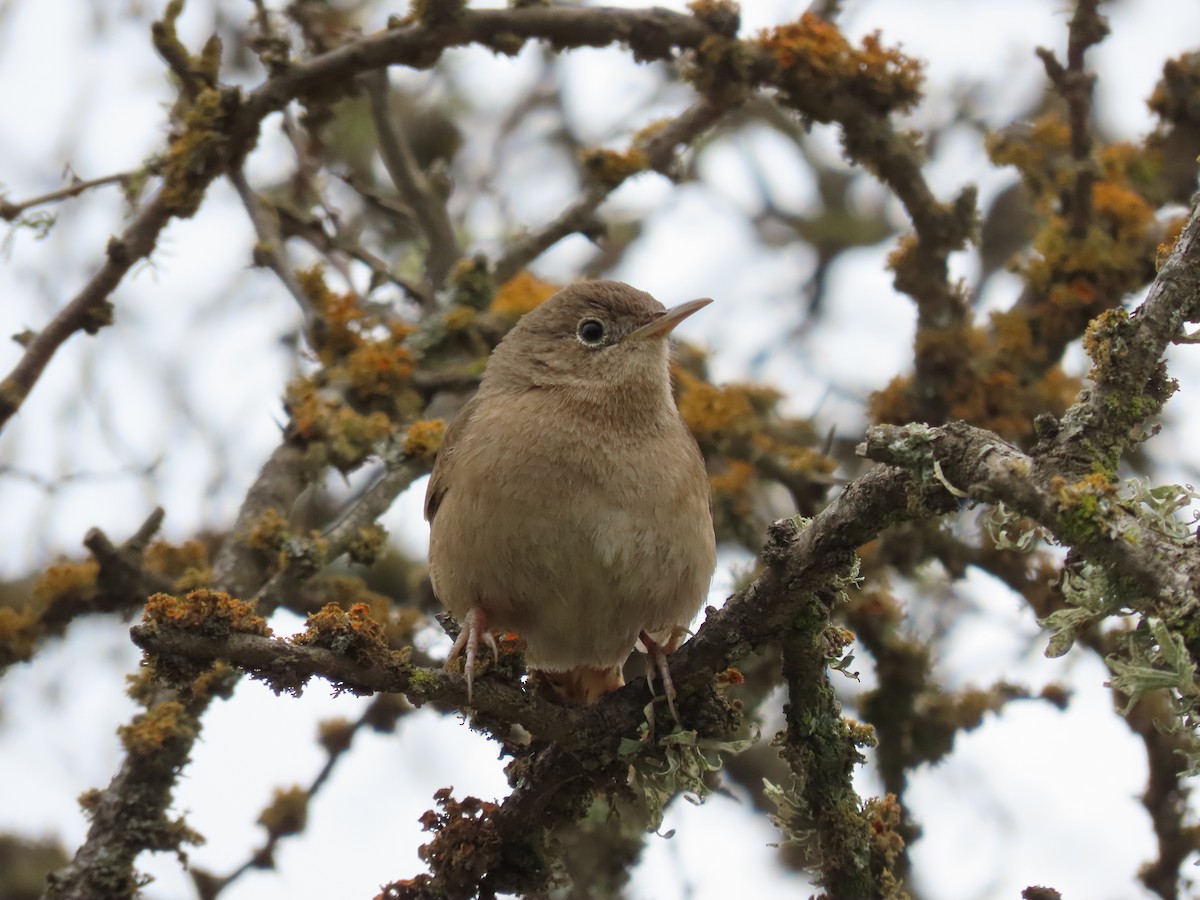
90 309
10 211
1129 372
263 857
430 211
985 468
374 502
270 250
1075 84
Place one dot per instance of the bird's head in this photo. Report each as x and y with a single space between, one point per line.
595 336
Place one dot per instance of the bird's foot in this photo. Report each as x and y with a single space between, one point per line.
656 665
474 630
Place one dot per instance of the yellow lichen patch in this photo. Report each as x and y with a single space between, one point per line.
335 735
18 633
268 532
287 813
67 582
338 312
1086 505
218 680
378 368
151 731
366 545
347 591
196 153
1037 152
187 563
712 412
355 436
731 487
423 439
611 167
816 60
805 460
1123 207
460 318
336 433
351 632
521 293
207 612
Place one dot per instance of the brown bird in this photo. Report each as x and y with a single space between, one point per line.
569 502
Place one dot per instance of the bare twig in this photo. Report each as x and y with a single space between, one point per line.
9 210
270 250
90 309
443 250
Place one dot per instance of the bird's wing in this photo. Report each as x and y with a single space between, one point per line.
443 466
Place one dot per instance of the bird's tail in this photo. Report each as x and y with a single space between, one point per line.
581 685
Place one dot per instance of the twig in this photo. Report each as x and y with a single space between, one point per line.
264 856
1075 85
443 249
9 210
270 250
90 309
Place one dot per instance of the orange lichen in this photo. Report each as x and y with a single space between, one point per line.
711 411
162 724
1039 152
423 439
460 318
378 368
187 563
351 632
521 293
212 613
19 631
70 582
218 680
268 532
732 485
366 546
1123 207
336 433
817 62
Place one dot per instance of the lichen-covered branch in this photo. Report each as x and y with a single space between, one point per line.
1086 515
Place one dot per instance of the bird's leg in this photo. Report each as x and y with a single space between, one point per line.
656 664
474 629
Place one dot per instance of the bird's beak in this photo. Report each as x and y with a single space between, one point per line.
666 323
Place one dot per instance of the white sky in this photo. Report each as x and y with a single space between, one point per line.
1032 797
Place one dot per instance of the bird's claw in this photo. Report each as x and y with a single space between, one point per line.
474 630
656 665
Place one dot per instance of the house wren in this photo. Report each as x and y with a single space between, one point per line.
569 502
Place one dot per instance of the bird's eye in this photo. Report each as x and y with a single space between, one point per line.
591 332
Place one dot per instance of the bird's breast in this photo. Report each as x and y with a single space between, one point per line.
575 534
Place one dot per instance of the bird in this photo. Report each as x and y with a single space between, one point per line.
569 503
